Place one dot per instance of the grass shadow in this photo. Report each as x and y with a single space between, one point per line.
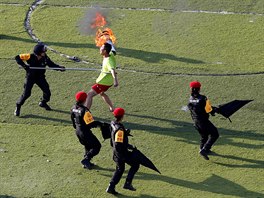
186 132
32 116
141 195
154 57
253 163
149 57
15 38
99 168
69 113
214 184
46 118
61 111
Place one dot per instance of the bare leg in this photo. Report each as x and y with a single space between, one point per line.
108 101
89 99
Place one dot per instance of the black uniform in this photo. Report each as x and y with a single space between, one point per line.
200 108
83 121
121 154
35 76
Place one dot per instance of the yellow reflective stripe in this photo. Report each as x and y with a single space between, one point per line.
119 136
88 118
24 57
208 107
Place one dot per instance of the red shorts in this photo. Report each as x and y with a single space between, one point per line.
100 88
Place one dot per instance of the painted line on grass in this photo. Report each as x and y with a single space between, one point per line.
192 74
29 30
222 12
167 10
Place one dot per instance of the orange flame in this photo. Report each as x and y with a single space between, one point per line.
103 36
98 21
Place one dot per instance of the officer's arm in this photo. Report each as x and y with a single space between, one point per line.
119 144
190 106
88 119
209 108
73 120
50 63
95 124
21 58
130 147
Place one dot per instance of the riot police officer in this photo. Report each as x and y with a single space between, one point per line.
38 59
200 109
83 121
121 154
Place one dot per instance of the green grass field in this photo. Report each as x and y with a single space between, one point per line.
39 152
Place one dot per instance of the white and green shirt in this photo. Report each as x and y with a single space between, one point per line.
105 77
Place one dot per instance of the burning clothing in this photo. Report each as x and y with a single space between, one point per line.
105 36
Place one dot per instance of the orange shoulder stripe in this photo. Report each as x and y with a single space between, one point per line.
24 57
119 136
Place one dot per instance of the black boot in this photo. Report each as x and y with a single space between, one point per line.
203 153
45 106
17 110
208 151
111 189
129 186
87 164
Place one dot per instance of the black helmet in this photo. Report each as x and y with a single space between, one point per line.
40 48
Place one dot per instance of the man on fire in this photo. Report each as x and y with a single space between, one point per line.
106 79
105 36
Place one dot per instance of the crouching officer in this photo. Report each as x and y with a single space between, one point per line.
37 59
83 121
121 154
200 108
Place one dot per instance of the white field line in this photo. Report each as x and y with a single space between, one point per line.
222 12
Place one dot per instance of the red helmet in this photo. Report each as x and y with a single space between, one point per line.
195 84
118 112
80 96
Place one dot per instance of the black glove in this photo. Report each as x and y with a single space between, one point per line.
128 132
215 110
130 147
